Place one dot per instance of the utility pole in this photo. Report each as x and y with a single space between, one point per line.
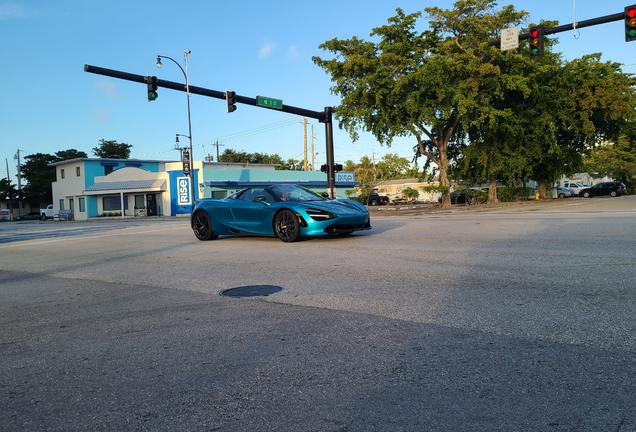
17 156
304 121
6 161
217 149
313 151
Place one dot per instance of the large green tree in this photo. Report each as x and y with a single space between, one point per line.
617 161
8 190
392 166
234 156
39 176
421 84
111 149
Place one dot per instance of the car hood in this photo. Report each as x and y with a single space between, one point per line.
338 206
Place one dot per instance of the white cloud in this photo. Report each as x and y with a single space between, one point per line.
109 89
101 114
292 51
11 10
267 49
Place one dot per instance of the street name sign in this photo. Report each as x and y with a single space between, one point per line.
269 102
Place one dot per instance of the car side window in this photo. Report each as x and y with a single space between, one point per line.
244 196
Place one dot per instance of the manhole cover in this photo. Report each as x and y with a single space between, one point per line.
251 291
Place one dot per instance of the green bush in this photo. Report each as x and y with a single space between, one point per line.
509 194
109 214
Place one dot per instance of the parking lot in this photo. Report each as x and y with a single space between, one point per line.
481 318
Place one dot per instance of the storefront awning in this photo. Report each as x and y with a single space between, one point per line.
130 186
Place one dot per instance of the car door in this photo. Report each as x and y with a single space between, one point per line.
253 212
597 190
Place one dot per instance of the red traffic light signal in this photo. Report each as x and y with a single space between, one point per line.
152 87
535 42
630 23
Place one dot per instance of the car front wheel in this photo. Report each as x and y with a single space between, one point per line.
561 195
202 227
586 194
43 217
286 226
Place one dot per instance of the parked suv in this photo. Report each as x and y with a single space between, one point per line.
605 188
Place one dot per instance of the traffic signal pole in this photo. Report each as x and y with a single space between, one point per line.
325 116
571 26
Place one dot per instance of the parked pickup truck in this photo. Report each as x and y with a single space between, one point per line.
375 199
47 213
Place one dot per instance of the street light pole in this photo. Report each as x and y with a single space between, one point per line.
187 88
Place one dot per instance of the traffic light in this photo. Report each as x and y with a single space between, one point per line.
186 162
337 167
152 87
230 100
630 23
324 168
535 42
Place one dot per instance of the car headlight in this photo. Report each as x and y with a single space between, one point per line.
320 215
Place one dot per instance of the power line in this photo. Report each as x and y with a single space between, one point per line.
231 137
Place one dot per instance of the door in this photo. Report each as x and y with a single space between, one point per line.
151 205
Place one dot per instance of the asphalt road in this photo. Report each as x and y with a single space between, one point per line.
514 317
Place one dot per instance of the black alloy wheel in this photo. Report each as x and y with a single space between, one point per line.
286 226
202 226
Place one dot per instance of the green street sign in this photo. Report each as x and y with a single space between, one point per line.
269 102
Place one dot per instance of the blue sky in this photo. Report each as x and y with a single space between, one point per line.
48 103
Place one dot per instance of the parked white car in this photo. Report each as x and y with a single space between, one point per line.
575 186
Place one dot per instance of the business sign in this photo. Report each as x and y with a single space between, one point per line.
183 191
344 177
4 214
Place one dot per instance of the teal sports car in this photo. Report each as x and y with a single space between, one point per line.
289 212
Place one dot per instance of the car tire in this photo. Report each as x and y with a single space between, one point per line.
43 217
586 194
561 195
613 194
286 226
202 226
374 203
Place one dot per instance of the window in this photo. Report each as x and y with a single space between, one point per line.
140 202
71 204
77 171
111 203
82 205
62 173
62 202
108 169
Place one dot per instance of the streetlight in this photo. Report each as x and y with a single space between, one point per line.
187 88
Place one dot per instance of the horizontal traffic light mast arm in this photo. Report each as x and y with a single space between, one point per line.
318 115
571 26
325 116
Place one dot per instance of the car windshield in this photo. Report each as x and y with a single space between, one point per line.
293 193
